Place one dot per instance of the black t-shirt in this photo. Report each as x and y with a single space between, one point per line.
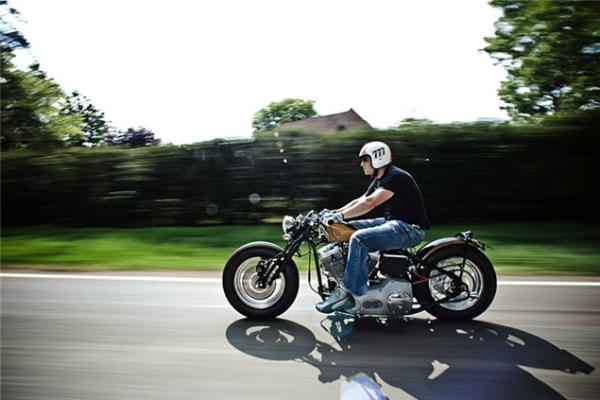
407 202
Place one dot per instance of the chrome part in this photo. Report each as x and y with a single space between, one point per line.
388 298
245 282
287 223
399 303
440 285
373 260
332 259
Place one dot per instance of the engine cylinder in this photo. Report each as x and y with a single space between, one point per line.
333 260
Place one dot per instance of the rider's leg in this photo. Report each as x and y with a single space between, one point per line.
340 299
388 236
367 223
382 235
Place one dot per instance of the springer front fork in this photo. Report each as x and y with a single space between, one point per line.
268 270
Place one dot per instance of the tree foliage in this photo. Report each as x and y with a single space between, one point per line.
32 103
279 112
31 110
467 172
551 50
10 37
94 128
134 137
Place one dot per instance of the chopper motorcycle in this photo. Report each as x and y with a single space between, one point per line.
450 278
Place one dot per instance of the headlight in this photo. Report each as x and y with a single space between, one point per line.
288 223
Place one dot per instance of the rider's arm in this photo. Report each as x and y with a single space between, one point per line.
365 204
350 204
357 200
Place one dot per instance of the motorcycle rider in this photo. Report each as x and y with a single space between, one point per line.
403 224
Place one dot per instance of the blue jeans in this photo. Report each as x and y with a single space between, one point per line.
375 235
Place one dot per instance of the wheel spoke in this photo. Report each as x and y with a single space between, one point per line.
471 278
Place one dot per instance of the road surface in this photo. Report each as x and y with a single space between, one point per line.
149 336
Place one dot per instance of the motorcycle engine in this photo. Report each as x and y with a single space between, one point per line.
389 297
333 260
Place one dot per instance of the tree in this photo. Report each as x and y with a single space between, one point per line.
279 112
10 37
94 128
415 121
31 103
31 114
551 50
134 137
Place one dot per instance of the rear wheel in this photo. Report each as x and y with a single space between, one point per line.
240 283
478 280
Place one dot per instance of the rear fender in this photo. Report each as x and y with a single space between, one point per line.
430 248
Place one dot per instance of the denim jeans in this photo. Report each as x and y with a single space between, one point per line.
374 235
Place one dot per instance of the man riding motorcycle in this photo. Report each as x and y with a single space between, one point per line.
403 224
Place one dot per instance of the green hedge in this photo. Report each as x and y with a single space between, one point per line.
467 172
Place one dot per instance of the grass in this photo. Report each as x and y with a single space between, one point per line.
514 248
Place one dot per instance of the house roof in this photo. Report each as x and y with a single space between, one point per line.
348 120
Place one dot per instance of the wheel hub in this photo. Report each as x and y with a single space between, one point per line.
252 288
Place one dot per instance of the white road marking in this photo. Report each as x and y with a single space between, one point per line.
112 277
218 280
547 283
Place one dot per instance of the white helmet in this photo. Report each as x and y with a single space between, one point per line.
380 153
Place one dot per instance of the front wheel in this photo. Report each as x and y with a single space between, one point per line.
478 279
240 278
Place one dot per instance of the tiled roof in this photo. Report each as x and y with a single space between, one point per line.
348 120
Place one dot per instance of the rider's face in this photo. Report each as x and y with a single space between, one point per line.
365 163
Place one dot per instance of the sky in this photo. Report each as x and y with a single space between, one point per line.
192 71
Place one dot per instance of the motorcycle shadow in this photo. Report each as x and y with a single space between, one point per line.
427 359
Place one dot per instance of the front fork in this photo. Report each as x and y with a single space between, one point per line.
268 270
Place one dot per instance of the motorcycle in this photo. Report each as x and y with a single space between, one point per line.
451 278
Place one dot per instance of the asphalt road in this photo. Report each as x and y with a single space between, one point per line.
145 339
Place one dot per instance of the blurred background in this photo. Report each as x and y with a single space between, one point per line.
78 192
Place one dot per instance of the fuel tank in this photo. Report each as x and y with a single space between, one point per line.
339 232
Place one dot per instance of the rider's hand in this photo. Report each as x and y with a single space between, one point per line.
333 217
337 217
